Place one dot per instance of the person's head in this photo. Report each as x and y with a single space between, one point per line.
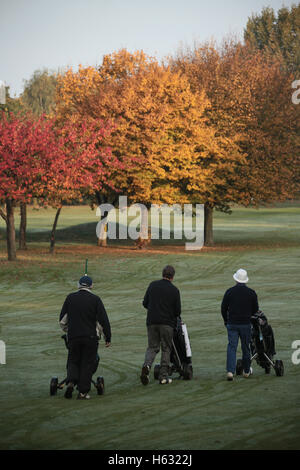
168 272
85 282
241 276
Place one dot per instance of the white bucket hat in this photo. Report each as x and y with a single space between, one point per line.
241 276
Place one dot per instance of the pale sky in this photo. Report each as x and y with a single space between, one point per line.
53 34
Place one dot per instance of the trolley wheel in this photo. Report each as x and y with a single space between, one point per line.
239 367
187 372
100 385
279 369
156 371
267 369
53 386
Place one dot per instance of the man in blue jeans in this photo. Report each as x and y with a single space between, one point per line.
239 303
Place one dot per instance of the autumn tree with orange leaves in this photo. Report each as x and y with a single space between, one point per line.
162 133
250 99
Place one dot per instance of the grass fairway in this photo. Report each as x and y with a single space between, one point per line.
262 412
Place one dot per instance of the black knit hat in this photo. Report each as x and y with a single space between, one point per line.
85 281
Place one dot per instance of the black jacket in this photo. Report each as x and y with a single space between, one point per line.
238 304
162 300
82 313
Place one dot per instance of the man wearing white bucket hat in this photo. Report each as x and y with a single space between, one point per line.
239 303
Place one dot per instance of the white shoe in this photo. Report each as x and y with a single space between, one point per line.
83 396
229 376
248 374
165 381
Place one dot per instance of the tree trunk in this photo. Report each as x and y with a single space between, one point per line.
102 240
23 224
145 232
52 238
208 225
10 231
144 224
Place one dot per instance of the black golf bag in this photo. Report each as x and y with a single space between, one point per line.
262 345
262 339
99 384
181 354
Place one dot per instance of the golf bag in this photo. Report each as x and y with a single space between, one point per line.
262 346
99 384
181 354
262 338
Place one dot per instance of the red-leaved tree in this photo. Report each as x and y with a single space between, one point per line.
83 165
24 142
50 163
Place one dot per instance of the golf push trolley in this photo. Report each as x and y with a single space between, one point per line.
262 346
98 384
181 354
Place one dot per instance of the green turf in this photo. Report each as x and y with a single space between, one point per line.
208 412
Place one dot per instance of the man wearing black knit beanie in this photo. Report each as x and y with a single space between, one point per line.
82 317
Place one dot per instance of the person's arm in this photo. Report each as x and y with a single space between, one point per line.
224 307
178 305
255 306
102 318
63 317
146 298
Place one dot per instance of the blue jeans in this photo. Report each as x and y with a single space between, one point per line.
234 333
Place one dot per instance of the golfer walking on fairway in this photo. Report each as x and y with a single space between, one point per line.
162 301
82 316
239 303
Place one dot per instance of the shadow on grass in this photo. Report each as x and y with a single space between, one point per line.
86 234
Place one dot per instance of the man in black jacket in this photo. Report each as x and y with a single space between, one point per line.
82 316
162 301
239 303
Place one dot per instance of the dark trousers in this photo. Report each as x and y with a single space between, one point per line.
236 332
159 336
81 362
